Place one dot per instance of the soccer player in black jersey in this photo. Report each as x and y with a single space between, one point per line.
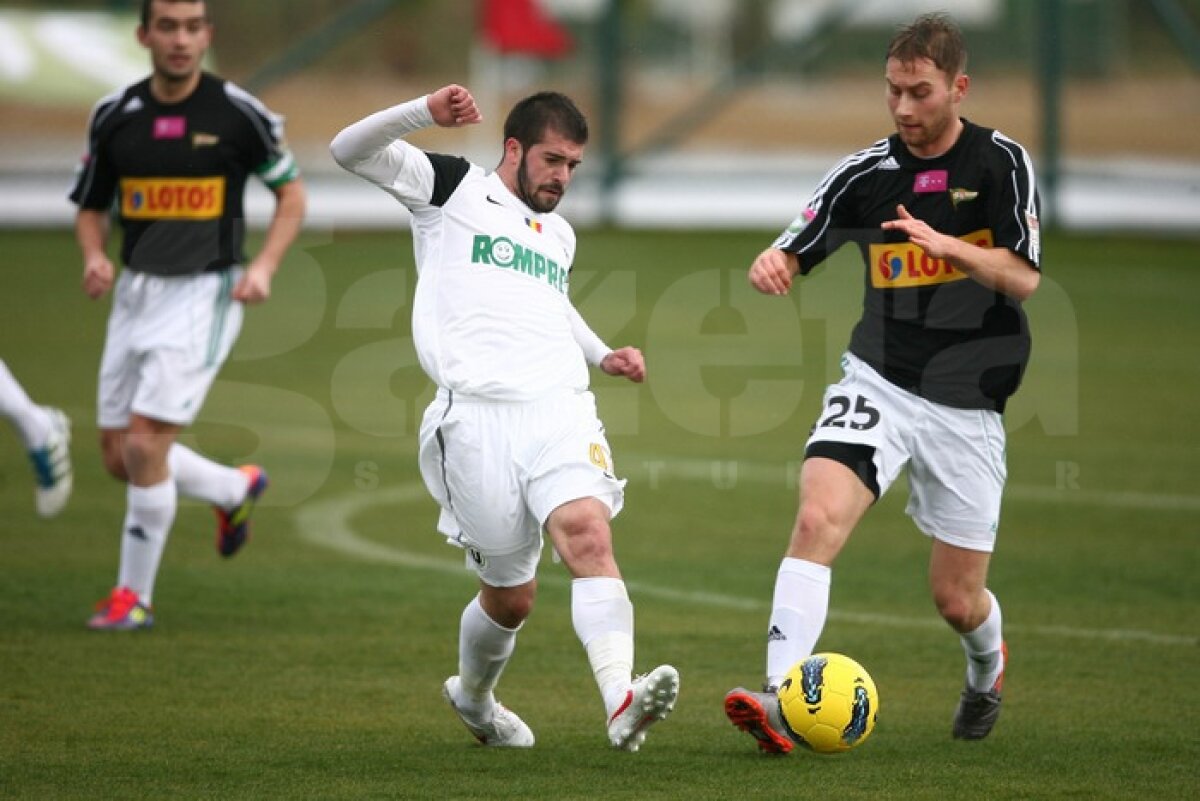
173 152
945 214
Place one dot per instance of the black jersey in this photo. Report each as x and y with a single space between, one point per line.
178 172
926 326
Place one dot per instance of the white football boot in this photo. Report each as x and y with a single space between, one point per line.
52 466
649 700
503 730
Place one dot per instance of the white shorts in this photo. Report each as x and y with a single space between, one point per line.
167 338
499 469
955 457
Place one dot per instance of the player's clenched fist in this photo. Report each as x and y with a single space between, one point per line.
453 106
772 271
97 277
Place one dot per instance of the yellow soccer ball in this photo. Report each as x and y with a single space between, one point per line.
829 703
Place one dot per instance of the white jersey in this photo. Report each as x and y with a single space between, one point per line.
491 318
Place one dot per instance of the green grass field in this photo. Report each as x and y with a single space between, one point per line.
310 666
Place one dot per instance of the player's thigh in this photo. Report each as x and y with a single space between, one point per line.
833 499
120 363
957 580
957 476
188 336
957 570
467 460
565 456
862 424
508 570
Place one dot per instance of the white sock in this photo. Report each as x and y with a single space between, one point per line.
484 647
205 480
149 513
603 618
982 647
798 612
31 421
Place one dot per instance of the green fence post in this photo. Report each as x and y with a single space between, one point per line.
1050 68
608 69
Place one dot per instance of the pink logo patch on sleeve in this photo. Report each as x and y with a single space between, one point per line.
931 181
170 127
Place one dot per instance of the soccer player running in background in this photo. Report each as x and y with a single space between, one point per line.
175 150
945 214
511 444
46 433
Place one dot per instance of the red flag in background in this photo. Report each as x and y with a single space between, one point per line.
521 27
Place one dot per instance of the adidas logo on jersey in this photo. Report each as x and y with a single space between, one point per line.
775 635
889 163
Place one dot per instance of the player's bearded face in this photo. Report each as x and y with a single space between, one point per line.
924 102
545 170
177 36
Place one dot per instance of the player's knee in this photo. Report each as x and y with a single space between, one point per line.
136 450
816 526
509 606
956 608
518 608
113 459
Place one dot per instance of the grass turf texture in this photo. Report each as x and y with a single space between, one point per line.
302 670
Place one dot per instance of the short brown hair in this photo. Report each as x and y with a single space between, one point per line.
934 36
531 118
147 3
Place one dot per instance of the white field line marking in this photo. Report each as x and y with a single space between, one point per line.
327 523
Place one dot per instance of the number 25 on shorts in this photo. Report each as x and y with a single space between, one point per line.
842 412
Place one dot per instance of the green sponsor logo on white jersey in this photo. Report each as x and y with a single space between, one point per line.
502 252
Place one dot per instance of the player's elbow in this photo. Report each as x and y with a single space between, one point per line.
343 152
1026 284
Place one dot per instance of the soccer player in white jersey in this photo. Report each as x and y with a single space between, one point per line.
46 432
511 445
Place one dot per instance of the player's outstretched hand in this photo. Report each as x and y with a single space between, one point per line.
772 271
453 107
627 362
919 233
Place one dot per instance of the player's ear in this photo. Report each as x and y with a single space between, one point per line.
962 82
512 150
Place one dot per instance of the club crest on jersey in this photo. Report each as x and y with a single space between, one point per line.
960 195
502 252
902 264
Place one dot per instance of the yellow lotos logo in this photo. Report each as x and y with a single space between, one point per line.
172 198
903 264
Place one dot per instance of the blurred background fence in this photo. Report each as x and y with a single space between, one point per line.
704 112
